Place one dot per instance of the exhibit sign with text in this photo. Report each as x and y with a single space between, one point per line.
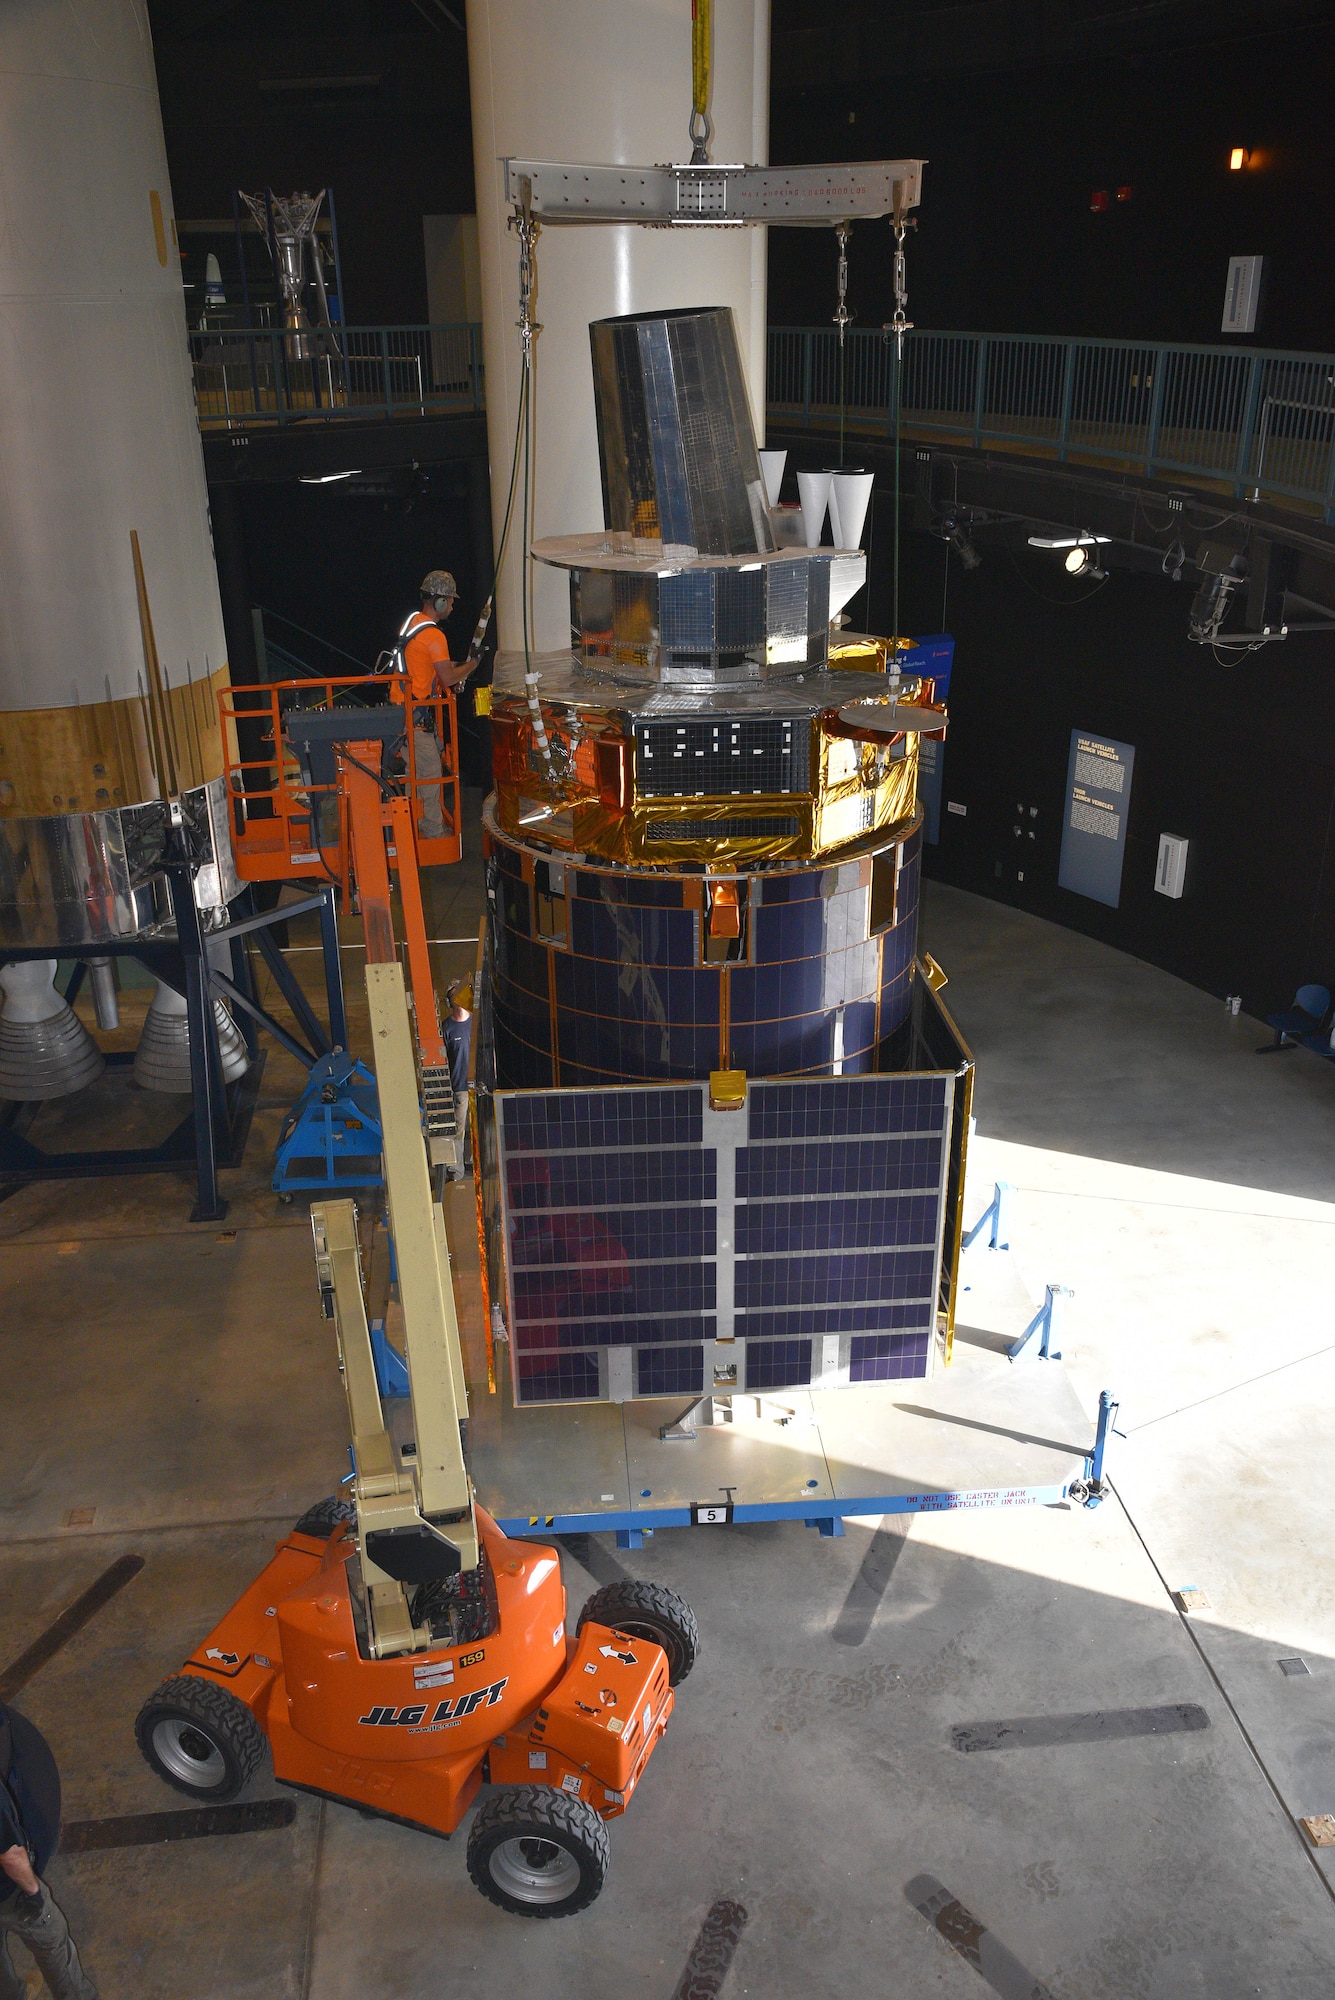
1098 796
929 787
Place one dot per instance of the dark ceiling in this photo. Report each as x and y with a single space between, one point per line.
862 41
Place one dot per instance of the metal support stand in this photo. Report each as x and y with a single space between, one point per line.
333 970
998 1213
214 1132
1089 1491
712 1409
332 1137
391 1370
287 985
1047 1323
207 1097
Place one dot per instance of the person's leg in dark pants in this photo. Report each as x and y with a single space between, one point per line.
39 1923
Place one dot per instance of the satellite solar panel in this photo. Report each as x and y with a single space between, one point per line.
591 1180
887 1357
517 1058
669 1371
529 1018
828 1189
791 1280
778 1364
648 1048
523 963
628 933
604 1285
645 1329
556 1238
823 1108
884 1316
556 1378
863 1221
598 1120
639 891
845 1167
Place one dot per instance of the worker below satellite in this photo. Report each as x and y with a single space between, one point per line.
457 1033
421 658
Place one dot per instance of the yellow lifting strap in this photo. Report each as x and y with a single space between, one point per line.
702 36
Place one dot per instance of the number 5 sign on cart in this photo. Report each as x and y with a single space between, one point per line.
705 1515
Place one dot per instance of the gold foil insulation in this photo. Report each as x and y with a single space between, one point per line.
584 799
99 755
864 652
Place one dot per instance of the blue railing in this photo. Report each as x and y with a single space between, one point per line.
265 375
1245 421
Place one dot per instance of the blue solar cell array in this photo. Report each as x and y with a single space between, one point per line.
627 991
838 1220
612 1227
609 1199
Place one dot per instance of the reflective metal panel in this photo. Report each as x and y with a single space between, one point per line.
678 452
83 878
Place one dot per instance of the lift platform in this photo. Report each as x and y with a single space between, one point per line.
984 1432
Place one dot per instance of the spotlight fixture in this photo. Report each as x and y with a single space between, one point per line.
1237 159
964 549
958 539
1081 557
326 478
1222 571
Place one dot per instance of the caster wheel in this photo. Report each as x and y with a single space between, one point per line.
537 1852
648 1611
199 1738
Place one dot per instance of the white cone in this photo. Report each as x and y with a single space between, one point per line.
162 1059
771 471
813 490
45 1050
850 497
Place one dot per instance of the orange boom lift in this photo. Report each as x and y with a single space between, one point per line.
399 1652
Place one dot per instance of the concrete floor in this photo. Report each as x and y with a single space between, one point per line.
178 1381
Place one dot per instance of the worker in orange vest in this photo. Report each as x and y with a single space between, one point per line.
423 668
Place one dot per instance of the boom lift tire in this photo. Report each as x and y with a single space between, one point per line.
648 1611
200 1738
321 1520
538 1852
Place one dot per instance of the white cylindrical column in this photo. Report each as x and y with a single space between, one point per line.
98 433
607 81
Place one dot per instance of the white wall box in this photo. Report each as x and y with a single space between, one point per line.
1172 870
1242 294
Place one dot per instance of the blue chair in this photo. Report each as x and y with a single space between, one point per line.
1311 1004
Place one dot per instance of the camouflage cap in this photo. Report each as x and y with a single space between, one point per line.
438 583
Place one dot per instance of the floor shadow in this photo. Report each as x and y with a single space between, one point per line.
872 1581
996 1430
978 1336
